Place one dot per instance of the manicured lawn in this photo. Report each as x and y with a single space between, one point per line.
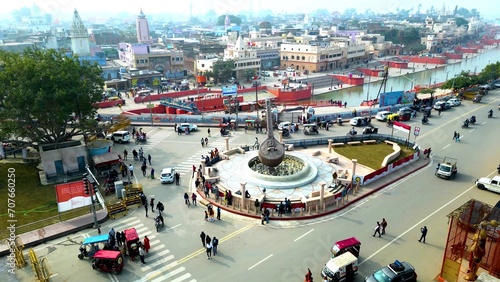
371 155
34 202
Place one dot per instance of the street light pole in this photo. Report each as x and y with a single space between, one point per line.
447 76
256 101
92 193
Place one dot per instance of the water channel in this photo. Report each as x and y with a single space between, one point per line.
355 95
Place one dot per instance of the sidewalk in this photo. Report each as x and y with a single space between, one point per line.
61 229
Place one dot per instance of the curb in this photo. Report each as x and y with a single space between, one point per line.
320 214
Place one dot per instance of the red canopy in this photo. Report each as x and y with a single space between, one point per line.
131 234
103 254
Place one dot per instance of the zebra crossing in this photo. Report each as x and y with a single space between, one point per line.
186 167
160 262
154 137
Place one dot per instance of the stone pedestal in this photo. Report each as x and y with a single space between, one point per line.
322 194
330 141
243 192
227 143
280 136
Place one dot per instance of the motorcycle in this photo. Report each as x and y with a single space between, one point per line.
472 120
352 132
465 124
425 120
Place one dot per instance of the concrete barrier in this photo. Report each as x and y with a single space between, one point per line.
394 155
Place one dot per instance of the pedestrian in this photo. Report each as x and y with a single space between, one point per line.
437 166
206 216
458 138
455 136
152 173
133 132
112 233
377 229
209 250
423 230
384 225
262 218
345 104
146 208
208 131
147 246
124 240
193 198
218 214
160 207
141 254
194 171
143 169
202 236
428 152
206 141
246 128
131 169
125 153
119 239
152 204
439 111
215 243
175 127
266 214
177 178
149 159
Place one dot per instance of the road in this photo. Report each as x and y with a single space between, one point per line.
251 252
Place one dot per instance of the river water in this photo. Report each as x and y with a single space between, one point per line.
355 95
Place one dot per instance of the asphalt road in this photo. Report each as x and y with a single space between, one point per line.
251 252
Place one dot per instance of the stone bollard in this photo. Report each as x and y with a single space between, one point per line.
227 143
322 194
203 167
330 141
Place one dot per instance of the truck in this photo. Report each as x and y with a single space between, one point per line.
447 168
491 184
340 268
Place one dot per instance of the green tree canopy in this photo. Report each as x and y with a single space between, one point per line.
248 74
42 92
223 70
461 21
234 20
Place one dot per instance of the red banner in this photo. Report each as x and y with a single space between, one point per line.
402 126
71 196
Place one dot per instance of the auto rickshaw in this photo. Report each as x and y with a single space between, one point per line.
352 245
108 261
132 241
405 117
90 245
250 123
391 119
310 129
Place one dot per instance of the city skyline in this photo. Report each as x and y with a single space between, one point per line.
63 9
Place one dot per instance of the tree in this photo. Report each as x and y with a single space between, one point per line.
234 20
42 92
248 74
461 21
223 70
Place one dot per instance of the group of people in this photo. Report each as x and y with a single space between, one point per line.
338 103
284 207
380 228
209 213
209 244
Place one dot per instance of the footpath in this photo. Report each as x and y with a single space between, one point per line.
62 229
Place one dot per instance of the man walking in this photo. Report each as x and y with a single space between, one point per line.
152 203
177 178
208 131
209 250
377 229
215 243
194 171
131 169
149 159
423 230
202 236
146 208
206 141
125 153
218 218
384 225
141 254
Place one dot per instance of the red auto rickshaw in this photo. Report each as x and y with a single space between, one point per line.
108 261
351 245
132 242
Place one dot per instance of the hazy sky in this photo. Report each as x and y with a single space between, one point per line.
63 8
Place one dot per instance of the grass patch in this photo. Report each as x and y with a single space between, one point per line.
33 201
371 155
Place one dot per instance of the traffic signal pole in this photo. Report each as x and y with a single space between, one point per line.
92 188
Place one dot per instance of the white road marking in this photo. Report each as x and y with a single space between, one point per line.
163 276
179 279
446 146
420 222
250 268
304 235
472 130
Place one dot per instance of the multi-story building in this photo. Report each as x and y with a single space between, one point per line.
321 56
142 28
170 63
245 57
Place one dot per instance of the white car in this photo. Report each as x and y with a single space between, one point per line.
357 121
285 124
454 102
382 115
192 127
491 184
167 175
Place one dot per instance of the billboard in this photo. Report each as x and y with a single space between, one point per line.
71 196
396 98
230 90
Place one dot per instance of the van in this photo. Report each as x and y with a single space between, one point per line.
121 136
351 245
167 175
341 268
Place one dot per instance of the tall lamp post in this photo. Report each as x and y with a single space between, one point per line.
256 84
91 185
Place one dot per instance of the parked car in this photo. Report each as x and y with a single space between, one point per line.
286 125
382 115
167 175
441 105
491 184
454 102
370 130
192 127
397 271
121 136
357 121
